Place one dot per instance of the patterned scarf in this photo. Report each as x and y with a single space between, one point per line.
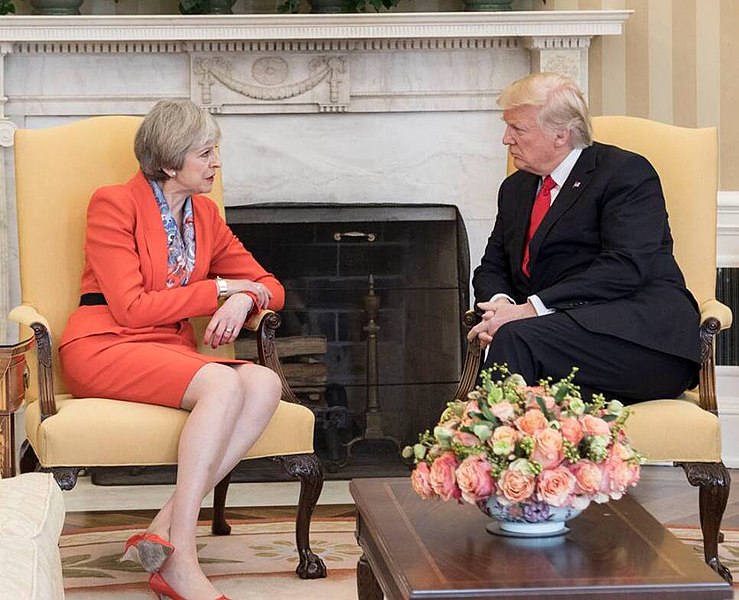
180 246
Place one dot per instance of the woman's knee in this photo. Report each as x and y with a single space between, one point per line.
261 382
214 383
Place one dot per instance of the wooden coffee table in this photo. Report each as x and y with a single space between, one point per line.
430 549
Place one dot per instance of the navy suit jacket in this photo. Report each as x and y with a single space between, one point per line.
603 253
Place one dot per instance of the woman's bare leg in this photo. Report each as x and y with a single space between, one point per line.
262 390
245 399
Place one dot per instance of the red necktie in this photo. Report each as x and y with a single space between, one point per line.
541 206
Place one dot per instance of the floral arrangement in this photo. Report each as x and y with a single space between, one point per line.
528 447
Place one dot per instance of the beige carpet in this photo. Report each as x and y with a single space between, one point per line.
256 562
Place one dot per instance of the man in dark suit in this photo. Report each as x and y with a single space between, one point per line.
579 268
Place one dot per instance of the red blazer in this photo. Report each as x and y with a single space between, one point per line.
126 261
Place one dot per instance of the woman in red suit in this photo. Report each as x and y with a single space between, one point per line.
157 252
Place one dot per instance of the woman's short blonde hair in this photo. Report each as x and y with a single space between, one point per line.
168 132
560 101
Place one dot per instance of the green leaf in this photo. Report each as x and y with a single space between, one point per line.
543 406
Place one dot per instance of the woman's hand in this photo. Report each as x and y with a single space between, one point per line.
228 320
236 286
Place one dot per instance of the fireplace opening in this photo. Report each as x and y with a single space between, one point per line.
371 338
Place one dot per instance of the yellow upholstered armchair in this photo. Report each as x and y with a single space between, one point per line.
57 169
685 430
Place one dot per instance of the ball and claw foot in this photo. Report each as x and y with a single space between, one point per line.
723 572
311 566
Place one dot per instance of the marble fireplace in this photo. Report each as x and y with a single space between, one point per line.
365 109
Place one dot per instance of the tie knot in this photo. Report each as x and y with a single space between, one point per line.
548 184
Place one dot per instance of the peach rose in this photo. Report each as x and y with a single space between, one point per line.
504 433
475 479
571 429
420 481
466 439
594 426
516 486
588 476
555 486
505 411
548 448
441 476
532 421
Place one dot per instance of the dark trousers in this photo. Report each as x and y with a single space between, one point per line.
551 345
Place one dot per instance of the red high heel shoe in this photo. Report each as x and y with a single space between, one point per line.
162 589
148 549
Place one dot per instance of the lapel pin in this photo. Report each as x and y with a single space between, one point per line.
576 184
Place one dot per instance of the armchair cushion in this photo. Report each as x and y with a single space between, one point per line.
675 430
121 433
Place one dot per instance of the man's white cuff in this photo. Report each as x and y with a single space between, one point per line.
539 306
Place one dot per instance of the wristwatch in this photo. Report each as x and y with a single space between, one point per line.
222 287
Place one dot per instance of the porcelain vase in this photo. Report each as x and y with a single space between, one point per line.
527 519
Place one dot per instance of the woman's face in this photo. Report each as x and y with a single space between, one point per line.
198 172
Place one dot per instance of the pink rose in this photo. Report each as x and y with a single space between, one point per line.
571 429
548 448
516 486
532 421
549 402
617 476
555 486
441 476
420 481
466 439
588 476
594 426
505 411
475 479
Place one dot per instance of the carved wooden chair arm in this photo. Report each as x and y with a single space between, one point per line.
472 358
27 315
715 317
264 324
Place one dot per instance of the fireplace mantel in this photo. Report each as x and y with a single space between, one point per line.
347 108
387 26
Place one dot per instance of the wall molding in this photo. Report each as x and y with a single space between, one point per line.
727 229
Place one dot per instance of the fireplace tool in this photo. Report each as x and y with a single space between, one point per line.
373 429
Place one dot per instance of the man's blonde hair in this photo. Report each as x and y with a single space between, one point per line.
168 132
560 102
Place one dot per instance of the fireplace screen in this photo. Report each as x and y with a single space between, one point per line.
371 336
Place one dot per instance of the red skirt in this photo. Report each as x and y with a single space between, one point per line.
148 368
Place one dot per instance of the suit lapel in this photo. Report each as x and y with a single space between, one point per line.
155 239
572 189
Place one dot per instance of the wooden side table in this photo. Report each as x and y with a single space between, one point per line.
12 392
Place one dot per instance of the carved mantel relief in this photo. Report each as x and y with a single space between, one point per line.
311 82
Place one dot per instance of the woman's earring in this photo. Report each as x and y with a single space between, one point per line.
173 174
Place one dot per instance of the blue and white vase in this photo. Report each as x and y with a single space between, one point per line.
529 518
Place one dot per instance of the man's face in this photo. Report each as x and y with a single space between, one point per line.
533 148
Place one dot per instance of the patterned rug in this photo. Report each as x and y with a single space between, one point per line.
255 562
258 561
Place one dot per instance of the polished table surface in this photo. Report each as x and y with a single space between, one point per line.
440 550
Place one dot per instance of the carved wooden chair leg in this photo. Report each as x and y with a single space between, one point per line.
219 525
308 468
66 477
714 483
